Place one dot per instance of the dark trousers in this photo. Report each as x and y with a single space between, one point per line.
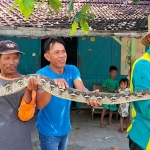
133 145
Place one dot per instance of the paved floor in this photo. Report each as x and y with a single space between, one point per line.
86 134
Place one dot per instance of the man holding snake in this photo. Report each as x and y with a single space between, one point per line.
14 108
54 116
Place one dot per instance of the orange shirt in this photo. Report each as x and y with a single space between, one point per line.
26 111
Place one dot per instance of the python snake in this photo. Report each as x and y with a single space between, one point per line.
73 94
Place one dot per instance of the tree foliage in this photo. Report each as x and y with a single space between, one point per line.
26 8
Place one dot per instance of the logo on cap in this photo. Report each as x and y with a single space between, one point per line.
10 45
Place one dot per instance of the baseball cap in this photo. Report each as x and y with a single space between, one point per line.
8 47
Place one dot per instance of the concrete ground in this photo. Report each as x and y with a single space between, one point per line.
86 133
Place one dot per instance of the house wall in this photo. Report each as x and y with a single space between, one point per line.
96 54
140 49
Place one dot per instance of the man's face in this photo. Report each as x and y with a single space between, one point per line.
9 63
113 74
57 55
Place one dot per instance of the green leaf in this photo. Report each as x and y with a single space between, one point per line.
89 16
14 5
85 8
26 10
70 7
84 31
135 1
55 4
28 3
74 28
78 16
85 27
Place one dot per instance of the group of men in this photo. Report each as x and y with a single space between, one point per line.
54 126
16 109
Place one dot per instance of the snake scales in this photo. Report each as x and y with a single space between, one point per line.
73 94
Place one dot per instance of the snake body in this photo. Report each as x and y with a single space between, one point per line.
73 94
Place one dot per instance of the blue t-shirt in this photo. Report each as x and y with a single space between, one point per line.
139 130
54 118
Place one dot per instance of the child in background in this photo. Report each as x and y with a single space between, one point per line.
123 108
109 85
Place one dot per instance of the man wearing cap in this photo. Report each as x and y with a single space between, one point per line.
14 130
139 129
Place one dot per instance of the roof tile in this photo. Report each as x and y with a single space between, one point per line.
109 15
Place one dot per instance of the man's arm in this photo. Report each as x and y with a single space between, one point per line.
80 86
31 86
27 105
26 111
43 97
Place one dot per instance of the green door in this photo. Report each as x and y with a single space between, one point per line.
95 55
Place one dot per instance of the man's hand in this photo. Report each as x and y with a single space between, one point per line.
33 84
61 83
93 102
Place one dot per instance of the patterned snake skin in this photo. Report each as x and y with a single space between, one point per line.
73 94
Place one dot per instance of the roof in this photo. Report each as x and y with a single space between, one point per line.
111 16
